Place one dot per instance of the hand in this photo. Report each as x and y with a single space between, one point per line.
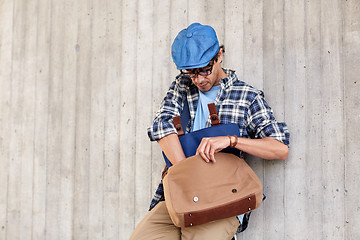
209 146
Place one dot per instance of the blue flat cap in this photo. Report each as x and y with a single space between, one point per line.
194 46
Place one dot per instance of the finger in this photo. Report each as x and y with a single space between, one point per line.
201 146
207 149
201 149
212 155
204 157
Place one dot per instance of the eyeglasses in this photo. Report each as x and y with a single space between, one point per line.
193 73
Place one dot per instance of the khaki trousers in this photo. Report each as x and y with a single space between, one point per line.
157 224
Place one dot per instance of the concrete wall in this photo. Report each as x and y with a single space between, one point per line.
80 82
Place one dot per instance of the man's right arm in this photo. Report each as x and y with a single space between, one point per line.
171 146
170 107
163 130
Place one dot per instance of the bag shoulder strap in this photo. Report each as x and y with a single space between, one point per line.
185 115
213 114
183 119
178 126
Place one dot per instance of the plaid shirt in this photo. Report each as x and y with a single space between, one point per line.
236 102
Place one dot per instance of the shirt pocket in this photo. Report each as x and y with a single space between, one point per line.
231 113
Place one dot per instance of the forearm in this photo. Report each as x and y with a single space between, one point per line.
266 148
171 146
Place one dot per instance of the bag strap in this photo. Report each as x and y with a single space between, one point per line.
213 114
178 126
184 117
185 114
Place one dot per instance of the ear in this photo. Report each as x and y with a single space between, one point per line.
220 57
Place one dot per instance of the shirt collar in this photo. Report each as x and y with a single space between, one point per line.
228 81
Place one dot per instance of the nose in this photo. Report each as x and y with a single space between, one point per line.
198 79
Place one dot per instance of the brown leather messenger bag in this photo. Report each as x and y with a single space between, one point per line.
197 192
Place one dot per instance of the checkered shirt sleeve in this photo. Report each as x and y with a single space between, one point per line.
170 107
260 121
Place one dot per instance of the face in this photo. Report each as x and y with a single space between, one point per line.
207 77
205 83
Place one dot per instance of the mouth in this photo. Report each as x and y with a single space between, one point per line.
202 85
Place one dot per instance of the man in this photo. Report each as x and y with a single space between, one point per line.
202 80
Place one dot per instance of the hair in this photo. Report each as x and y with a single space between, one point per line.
215 58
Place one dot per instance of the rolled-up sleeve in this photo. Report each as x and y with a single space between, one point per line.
261 122
170 107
